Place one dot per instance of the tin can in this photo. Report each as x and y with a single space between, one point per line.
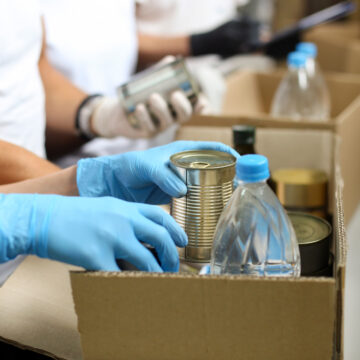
303 190
163 79
313 235
209 178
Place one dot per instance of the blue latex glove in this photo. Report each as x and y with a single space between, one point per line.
139 176
88 232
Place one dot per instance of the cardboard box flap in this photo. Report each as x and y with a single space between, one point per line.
202 317
340 261
263 120
348 130
251 93
338 46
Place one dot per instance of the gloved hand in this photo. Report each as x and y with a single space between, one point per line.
87 232
109 119
234 37
139 176
278 49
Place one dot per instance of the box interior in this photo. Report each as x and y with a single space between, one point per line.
217 316
248 101
252 93
338 46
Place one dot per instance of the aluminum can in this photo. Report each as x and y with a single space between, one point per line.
313 235
303 190
163 79
209 178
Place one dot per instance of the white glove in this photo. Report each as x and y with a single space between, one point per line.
108 118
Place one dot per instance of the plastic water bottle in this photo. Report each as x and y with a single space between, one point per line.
298 97
254 235
314 72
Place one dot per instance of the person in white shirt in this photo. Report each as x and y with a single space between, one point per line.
99 49
69 110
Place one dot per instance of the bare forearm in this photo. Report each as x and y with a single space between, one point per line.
153 48
18 164
62 102
62 183
62 99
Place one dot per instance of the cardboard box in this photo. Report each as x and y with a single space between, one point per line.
147 316
338 46
175 316
248 100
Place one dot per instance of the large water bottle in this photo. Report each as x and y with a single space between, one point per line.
254 235
314 72
298 96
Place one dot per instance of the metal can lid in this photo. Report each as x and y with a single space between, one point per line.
203 159
309 229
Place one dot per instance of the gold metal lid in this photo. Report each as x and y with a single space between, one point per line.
301 187
309 229
203 159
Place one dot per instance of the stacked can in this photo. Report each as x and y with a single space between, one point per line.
302 190
209 178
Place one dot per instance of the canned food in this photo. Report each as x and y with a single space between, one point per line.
209 178
327 272
303 190
313 235
162 79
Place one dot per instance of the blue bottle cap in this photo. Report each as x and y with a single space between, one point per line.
308 48
252 168
296 59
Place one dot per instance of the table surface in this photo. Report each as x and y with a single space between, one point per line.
34 272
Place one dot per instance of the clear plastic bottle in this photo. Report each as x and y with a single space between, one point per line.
314 72
298 96
254 235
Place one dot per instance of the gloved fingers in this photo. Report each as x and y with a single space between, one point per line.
159 107
139 256
168 181
181 105
160 217
146 124
202 105
158 237
108 264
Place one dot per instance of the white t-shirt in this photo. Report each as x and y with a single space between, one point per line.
177 17
92 42
22 111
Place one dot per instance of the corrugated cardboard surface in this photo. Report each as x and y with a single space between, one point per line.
144 316
148 316
338 46
248 100
37 311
